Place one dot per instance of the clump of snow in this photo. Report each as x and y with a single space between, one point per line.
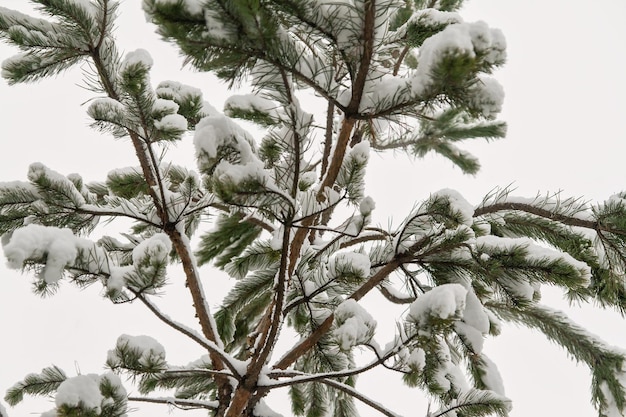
249 102
487 95
146 347
475 314
491 376
59 247
37 170
355 325
173 90
383 90
444 302
416 360
238 173
261 409
107 109
151 251
360 152
491 244
171 122
80 391
458 204
367 205
162 105
434 18
191 6
447 375
213 132
307 179
117 279
139 57
351 262
461 39
475 323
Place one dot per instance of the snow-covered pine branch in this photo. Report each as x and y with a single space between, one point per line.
293 217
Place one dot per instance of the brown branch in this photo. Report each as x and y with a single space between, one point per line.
537 211
393 298
398 63
366 57
547 214
328 137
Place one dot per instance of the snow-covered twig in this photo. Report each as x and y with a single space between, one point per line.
192 334
178 402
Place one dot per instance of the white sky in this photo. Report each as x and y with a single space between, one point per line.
565 102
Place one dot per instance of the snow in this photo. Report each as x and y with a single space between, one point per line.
38 170
59 247
461 39
261 409
3 411
146 347
80 391
444 302
434 18
117 280
238 173
191 6
249 102
360 152
475 314
107 109
367 205
86 5
382 91
15 18
491 376
356 325
416 360
470 336
171 122
177 91
139 57
490 244
155 249
162 105
215 27
357 263
458 204
213 132
487 95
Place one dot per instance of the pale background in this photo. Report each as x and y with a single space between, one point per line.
565 90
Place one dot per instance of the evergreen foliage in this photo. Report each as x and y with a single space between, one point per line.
291 223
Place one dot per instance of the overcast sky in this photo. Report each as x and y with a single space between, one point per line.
565 89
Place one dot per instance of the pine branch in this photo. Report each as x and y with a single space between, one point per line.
36 384
478 403
178 402
545 213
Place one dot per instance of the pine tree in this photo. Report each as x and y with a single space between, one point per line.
290 221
